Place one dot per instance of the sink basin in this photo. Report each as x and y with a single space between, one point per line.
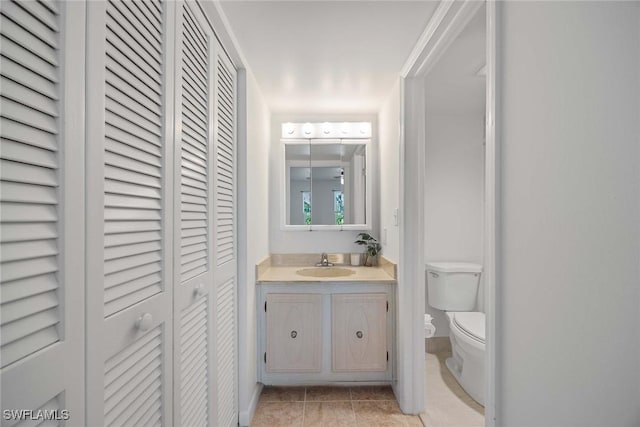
325 272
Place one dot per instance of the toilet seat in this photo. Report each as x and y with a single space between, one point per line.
471 324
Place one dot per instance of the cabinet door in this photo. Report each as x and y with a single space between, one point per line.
294 332
359 332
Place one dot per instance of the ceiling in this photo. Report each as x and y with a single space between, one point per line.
453 86
327 56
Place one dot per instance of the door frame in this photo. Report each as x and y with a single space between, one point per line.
448 21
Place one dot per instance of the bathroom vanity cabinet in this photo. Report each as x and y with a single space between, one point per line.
323 333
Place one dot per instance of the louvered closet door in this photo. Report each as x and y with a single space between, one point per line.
129 218
193 274
225 250
41 229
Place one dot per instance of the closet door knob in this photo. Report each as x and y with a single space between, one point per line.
294 334
359 334
144 322
199 290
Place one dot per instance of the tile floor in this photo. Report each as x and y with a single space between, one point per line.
447 404
330 406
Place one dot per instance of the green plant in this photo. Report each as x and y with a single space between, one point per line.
373 247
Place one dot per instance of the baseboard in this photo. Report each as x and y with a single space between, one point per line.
244 417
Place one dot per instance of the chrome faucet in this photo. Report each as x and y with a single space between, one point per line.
324 261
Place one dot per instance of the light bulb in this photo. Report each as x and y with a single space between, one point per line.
307 128
326 128
289 128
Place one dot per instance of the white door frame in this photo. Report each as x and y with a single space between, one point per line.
447 22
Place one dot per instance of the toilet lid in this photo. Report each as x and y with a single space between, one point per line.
471 322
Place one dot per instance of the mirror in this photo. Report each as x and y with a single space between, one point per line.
325 183
298 176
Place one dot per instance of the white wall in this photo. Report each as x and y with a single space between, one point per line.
282 241
253 234
569 266
389 124
454 188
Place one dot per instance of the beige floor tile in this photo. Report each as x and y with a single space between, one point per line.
372 393
382 414
282 394
278 414
324 394
329 414
431 361
447 404
452 415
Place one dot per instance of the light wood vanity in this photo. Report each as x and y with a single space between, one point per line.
325 330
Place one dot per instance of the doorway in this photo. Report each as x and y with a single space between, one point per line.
446 28
455 107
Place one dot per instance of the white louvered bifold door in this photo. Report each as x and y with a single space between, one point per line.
193 274
225 238
41 210
129 212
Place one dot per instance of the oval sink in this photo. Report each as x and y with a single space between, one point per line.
325 272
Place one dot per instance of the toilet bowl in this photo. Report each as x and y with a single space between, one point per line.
453 287
467 335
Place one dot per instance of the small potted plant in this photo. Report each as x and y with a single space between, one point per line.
373 248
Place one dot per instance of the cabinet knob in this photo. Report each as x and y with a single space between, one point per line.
359 334
144 322
294 334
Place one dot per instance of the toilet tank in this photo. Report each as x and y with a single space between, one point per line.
453 286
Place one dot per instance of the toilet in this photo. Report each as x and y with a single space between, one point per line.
453 288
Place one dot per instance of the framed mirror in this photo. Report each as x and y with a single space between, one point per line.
325 184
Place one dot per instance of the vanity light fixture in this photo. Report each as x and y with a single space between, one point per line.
326 130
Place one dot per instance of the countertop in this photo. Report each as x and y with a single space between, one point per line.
288 274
